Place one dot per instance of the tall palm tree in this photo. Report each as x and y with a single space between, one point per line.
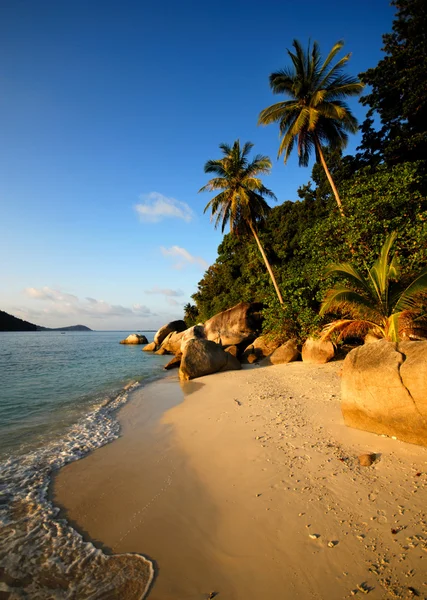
382 303
316 114
241 198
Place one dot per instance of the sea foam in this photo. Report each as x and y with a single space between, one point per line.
41 556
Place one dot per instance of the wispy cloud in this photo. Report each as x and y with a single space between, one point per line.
155 207
47 293
58 303
182 257
164 292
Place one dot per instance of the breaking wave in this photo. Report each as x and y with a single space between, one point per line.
41 556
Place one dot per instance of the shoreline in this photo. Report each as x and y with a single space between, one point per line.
224 489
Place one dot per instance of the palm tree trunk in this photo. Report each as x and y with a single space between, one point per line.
329 176
267 264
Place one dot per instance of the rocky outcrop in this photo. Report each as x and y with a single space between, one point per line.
286 353
317 352
384 390
169 328
234 350
172 342
370 338
150 347
174 363
195 332
203 357
135 338
236 325
260 348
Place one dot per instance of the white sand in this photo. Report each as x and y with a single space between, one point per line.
224 490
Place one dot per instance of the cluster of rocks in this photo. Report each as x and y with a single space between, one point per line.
228 340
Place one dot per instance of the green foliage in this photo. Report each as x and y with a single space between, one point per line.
191 314
316 112
398 90
303 237
384 302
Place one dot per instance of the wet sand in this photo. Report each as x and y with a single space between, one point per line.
251 488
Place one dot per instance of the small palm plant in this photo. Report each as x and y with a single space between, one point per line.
383 303
241 199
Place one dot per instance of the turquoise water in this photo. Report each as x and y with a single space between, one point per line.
48 380
59 396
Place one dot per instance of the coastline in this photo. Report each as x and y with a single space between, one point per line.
223 491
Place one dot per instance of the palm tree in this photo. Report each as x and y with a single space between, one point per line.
241 198
190 314
382 303
316 114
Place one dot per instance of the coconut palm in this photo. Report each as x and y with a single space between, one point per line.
241 200
316 114
382 303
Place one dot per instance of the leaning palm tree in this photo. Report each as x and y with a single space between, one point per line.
241 198
383 303
316 114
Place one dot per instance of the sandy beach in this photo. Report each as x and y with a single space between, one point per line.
247 484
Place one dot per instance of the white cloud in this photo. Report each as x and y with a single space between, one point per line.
174 302
183 257
63 304
47 293
164 292
155 207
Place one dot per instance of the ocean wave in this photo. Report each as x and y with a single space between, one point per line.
41 556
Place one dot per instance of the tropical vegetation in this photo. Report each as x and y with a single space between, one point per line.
382 303
316 114
383 187
241 199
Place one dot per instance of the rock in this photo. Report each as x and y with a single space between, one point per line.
150 347
172 342
135 338
366 460
251 358
203 357
197 331
370 338
232 350
286 353
317 352
235 325
174 363
261 347
166 329
384 390
161 351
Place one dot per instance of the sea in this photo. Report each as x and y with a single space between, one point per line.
59 396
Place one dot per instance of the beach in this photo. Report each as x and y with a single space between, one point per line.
247 484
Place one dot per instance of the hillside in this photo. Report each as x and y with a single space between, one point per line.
11 323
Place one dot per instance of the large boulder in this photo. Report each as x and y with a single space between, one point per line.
195 332
172 342
236 325
317 352
286 353
260 348
150 347
203 357
173 363
166 329
135 338
384 390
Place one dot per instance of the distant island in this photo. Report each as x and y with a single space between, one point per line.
11 323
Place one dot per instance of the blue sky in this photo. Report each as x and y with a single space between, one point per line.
108 112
